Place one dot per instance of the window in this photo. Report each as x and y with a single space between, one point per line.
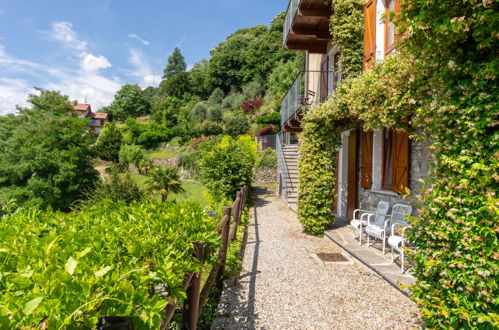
390 37
395 161
94 122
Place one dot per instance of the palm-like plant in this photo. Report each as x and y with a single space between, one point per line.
165 180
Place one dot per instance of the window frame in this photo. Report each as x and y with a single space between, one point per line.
390 48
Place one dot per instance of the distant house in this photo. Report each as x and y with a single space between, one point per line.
97 119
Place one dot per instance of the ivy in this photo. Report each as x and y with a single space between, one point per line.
441 82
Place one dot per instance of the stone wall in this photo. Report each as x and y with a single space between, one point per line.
420 160
268 175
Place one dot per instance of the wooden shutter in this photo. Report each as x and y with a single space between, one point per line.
400 161
367 159
369 34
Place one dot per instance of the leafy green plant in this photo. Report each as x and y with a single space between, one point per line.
266 158
236 126
216 97
64 270
117 189
109 142
131 155
199 112
227 168
165 180
269 118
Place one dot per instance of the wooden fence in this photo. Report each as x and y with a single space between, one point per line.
197 295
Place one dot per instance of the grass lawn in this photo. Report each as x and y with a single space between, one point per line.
194 190
163 154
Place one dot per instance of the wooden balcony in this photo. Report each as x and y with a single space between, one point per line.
306 26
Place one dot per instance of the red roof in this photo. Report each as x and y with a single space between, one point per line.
81 107
98 115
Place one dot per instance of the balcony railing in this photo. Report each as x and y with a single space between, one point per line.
290 17
308 89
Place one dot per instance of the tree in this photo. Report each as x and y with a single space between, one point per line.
109 143
199 112
165 180
237 126
129 101
166 112
45 154
216 97
200 80
176 81
131 154
248 54
176 64
215 113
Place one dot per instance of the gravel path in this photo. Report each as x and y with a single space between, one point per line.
283 285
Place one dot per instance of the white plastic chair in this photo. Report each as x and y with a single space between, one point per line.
397 241
380 227
360 217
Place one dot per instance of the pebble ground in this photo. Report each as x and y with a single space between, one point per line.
283 285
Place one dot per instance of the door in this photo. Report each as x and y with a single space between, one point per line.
352 189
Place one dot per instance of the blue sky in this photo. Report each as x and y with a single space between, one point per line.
89 48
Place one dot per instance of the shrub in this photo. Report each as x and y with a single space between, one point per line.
216 97
226 169
131 155
233 101
117 189
209 128
191 162
215 113
251 105
63 270
109 143
237 126
199 112
267 158
254 89
267 131
270 118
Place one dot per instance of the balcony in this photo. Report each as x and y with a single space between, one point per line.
306 26
308 89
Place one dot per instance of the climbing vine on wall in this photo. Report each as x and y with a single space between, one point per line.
346 28
443 81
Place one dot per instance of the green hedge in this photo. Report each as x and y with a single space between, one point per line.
66 270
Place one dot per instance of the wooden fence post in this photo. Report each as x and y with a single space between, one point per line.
191 306
222 255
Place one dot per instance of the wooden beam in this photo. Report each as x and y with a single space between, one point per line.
315 13
317 49
323 34
288 129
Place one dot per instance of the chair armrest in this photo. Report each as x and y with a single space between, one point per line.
359 210
369 218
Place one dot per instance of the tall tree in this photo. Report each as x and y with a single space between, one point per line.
109 143
176 64
46 158
129 101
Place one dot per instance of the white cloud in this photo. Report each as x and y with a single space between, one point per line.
94 63
78 82
143 69
134 36
63 32
13 92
